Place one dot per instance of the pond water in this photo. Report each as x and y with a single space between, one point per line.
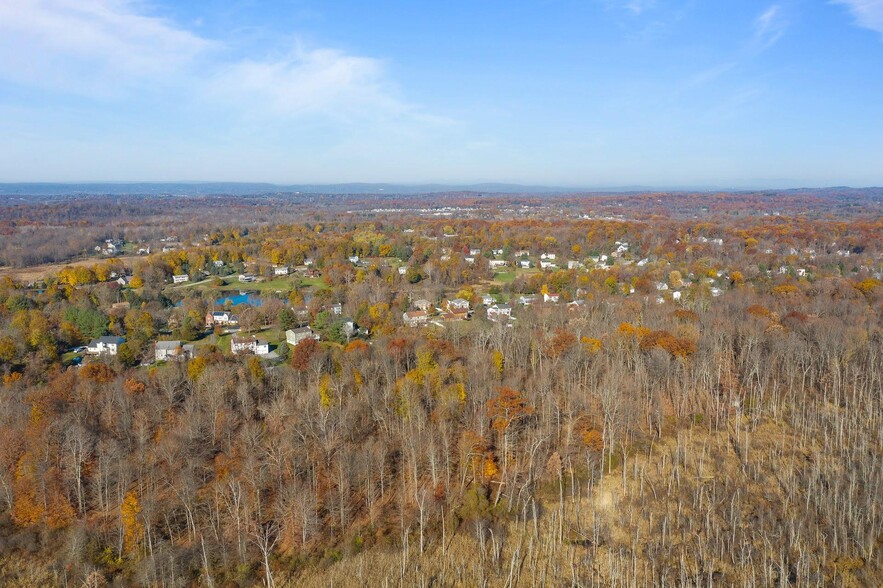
250 299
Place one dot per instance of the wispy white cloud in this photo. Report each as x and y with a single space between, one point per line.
769 28
635 7
867 13
82 45
308 81
114 49
639 6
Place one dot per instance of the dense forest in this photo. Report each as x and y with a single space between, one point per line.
688 391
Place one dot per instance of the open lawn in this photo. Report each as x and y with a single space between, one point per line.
317 283
285 284
504 277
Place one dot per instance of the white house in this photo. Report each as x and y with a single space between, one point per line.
220 317
676 295
499 312
403 269
470 260
354 259
497 251
414 318
573 264
218 263
488 300
295 336
458 305
522 253
280 270
547 264
180 278
527 300
495 263
239 345
246 278
107 345
547 256
524 263
166 350
423 304
551 297
475 252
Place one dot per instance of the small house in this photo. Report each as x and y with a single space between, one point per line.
499 312
220 317
414 318
168 350
243 345
458 305
295 336
107 345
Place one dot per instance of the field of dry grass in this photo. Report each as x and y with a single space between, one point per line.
40 272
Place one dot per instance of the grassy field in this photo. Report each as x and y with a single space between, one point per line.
285 284
39 272
506 277
317 283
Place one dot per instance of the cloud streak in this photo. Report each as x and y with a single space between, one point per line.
309 82
867 13
769 28
80 45
111 50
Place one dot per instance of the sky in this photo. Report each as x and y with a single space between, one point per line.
577 93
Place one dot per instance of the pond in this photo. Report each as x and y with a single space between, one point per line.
250 299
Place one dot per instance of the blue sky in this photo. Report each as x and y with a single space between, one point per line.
591 93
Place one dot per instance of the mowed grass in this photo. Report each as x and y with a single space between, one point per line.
285 284
317 283
506 277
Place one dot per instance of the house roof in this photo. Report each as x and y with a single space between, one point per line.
168 345
107 340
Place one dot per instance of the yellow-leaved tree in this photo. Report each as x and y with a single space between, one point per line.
133 530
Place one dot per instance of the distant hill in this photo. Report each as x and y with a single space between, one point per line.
248 189
257 188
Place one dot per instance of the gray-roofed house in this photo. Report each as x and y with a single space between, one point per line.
295 336
166 350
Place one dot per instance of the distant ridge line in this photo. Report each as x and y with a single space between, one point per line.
259 188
